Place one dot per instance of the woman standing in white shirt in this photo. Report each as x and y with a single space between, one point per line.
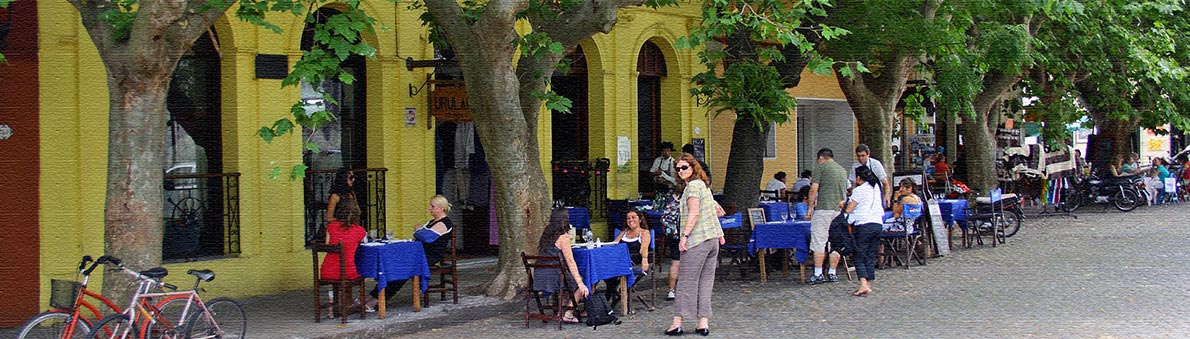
865 211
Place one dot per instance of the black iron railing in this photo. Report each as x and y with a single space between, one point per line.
202 216
369 192
582 183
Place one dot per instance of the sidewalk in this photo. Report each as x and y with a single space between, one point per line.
290 314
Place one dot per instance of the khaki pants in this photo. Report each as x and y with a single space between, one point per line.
696 279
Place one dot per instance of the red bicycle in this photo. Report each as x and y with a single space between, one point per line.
71 314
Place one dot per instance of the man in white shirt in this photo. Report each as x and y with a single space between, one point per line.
776 184
863 157
663 166
802 182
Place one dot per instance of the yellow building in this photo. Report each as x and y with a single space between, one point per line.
223 212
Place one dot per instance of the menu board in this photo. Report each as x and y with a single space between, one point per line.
941 240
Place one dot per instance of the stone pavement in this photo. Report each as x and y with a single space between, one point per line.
1105 274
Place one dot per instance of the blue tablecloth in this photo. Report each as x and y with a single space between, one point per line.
953 211
654 219
775 210
605 262
639 203
785 234
392 261
579 217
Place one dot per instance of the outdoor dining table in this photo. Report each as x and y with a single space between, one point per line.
395 260
775 210
780 235
606 262
954 211
580 217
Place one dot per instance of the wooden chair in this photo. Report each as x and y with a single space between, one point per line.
447 272
553 308
341 286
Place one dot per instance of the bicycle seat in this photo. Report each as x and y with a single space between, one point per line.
155 273
205 275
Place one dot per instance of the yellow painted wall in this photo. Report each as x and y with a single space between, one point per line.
273 257
811 86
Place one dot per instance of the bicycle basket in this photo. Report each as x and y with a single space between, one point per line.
63 293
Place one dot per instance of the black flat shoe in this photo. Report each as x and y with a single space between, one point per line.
703 331
676 331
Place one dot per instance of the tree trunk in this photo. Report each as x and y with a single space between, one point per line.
132 212
873 100
980 150
746 167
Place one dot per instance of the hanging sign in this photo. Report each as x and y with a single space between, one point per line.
449 103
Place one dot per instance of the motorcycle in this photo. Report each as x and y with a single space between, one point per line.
1008 210
1122 192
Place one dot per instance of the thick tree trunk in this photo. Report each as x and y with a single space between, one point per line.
873 100
980 151
746 167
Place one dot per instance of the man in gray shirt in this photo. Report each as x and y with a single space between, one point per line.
827 189
863 157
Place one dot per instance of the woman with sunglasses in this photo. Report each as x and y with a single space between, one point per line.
342 197
701 236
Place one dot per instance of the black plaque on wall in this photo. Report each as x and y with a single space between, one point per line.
272 66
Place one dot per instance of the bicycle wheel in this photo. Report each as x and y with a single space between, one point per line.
1126 200
166 315
1072 198
53 325
1012 222
223 319
113 326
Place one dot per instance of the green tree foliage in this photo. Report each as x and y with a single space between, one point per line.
1125 64
749 43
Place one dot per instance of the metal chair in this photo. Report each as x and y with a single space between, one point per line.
447 272
553 301
904 238
340 287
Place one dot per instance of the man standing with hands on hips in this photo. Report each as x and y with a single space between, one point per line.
827 188
863 157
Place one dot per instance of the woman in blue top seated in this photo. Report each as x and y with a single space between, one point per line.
435 238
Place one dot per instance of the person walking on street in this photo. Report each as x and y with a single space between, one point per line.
701 236
863 157
827 188
866 214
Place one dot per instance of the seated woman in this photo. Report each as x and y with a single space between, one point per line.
434 245
637 236
903 195
347 231
554 241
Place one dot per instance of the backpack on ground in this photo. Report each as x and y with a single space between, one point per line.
599 312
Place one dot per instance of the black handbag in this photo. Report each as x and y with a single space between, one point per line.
599 312
839 235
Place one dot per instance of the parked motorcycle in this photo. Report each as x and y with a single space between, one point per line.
1008 209
1121 192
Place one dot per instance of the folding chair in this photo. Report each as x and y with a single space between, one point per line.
904 238
635 291
447 272
553 301
341 287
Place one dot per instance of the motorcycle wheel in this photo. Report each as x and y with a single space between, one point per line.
1012 222
1071 200
1126 200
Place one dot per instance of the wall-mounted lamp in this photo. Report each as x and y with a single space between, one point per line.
410 64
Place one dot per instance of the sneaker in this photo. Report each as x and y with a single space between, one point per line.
832 278
815 280
670 295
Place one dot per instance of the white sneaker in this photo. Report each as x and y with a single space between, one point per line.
670 295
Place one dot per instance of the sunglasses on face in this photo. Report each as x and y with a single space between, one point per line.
682 168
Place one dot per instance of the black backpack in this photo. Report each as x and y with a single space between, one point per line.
599 312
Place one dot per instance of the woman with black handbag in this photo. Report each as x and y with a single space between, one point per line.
865 211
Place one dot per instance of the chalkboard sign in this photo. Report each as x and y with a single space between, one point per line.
700 148
941 240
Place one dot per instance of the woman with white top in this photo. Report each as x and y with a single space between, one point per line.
865 211
637 236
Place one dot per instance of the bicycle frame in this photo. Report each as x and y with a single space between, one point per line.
80 301
143 313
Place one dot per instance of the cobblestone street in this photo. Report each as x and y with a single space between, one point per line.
1105 274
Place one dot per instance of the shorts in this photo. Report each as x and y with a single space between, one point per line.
820 225
671 249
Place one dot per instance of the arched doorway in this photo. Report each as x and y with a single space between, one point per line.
650 65
342 142
193 191
570 131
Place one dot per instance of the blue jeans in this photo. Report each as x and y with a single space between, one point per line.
867 240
